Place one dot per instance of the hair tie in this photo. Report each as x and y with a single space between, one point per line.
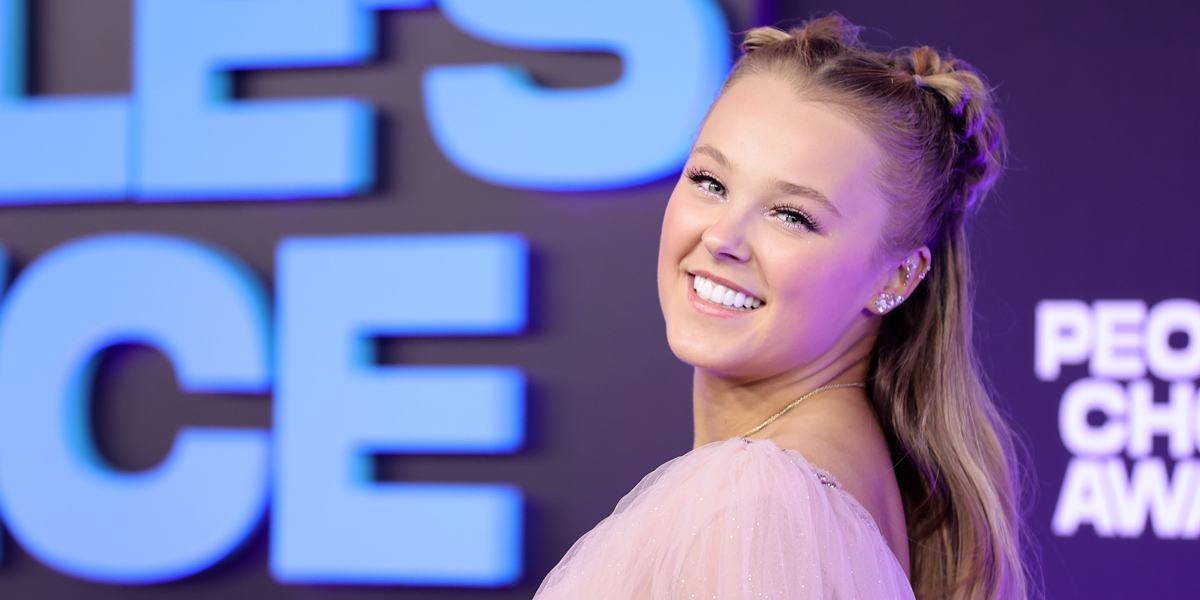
917 79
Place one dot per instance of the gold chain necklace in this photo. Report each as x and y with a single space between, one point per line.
832 386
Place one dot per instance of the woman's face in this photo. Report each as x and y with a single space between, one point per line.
778 204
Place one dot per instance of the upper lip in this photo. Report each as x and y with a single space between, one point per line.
725 282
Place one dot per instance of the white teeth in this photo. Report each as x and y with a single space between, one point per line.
722 296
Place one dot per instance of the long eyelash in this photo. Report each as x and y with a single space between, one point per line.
699 176
806 221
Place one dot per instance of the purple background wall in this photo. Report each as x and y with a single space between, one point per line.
1099 203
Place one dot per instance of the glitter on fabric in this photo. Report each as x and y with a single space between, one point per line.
733 519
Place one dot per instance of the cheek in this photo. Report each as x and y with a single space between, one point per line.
821 300
668 254
678 234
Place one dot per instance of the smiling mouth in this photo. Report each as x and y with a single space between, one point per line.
722 296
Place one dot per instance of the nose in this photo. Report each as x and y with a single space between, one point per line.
725 239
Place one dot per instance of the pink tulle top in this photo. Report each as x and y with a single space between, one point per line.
731 520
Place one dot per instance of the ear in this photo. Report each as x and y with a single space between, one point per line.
902 281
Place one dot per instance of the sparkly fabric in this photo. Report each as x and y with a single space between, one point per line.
731 520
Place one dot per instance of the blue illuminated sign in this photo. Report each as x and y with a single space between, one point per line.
181 136
194 142
201 308
56 149
493 122
333 409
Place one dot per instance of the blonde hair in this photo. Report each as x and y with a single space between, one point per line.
943 143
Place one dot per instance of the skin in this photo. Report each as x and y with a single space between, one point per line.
766 163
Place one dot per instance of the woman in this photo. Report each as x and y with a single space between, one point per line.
813 269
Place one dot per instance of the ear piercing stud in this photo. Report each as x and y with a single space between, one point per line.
909 267
887 302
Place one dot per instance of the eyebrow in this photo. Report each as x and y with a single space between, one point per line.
714 154
792 189
783 187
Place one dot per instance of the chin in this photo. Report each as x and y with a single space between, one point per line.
703 355
691 351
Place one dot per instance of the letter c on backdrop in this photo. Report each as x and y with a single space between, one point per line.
63 503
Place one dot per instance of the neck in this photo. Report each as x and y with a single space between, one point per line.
723 407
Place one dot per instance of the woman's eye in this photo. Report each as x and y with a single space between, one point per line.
712 186
707 182
795 218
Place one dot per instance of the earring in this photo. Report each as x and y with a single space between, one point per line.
909 266
887 302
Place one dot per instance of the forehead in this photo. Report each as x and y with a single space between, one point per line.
768 131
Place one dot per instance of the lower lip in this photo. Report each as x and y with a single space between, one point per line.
709 308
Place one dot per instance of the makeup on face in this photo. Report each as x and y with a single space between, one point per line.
765 258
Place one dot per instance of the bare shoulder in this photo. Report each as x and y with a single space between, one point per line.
843 437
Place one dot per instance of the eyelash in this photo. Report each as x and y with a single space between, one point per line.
802 218
699 178
803 221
